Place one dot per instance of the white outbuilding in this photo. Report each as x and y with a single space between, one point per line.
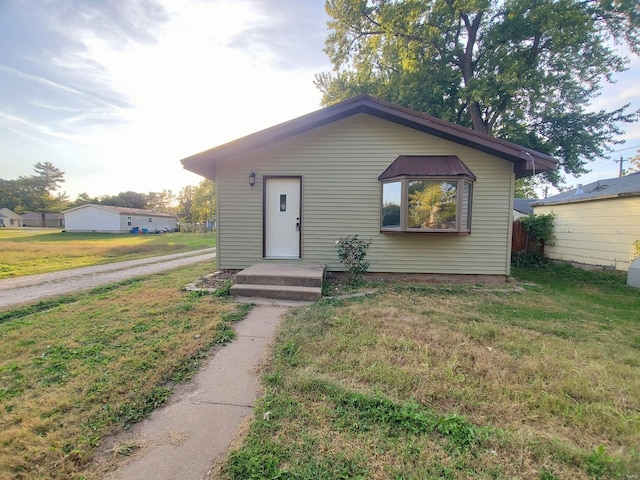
596 225
109 219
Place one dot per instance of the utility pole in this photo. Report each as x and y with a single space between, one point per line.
621 161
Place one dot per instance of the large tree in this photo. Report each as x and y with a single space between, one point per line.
203 208
634 163
523 70
15 194
127 199
43 185
185 204
161 201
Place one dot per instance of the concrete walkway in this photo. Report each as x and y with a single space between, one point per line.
183 439
32 288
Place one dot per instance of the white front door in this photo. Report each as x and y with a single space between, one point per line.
282 218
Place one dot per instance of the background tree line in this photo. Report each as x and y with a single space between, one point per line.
34 193
41 193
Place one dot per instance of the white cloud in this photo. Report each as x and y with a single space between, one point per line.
210 75
29 129
123 93
195 86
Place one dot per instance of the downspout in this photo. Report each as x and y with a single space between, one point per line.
512 192
215 181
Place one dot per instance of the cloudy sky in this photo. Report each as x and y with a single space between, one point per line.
115 93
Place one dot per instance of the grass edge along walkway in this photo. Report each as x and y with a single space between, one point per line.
391 386
75 369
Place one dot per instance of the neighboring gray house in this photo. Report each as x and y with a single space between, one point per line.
596 224
9 218
522 207
434 197
108 219
34 219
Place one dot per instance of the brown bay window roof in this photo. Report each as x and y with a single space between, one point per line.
427 166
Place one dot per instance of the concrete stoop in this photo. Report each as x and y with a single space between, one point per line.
281 282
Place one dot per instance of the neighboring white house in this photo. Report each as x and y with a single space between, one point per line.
9 218
596 224
108 219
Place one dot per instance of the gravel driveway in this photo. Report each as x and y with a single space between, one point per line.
33 288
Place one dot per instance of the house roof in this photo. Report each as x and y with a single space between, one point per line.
523 205
36 215
429 165
525 159
8 213
123 210
626 186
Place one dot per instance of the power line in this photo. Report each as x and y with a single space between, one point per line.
623 149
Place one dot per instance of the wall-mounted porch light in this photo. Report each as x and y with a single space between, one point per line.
252 179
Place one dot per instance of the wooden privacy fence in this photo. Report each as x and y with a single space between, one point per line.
521 242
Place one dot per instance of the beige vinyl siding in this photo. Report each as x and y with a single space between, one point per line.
340 164
597 232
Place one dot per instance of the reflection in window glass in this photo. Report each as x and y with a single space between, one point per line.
283 202
391 194
432 205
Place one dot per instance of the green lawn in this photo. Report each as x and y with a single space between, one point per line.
538 379
78 368
535 379
30 251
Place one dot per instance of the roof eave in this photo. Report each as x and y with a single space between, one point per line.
587 199
204 163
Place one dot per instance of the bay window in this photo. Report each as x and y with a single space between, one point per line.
426 194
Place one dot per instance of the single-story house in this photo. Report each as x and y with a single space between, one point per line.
522 207
434 197
9 218
108 219
596 224
34 219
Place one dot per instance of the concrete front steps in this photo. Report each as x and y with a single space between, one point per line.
280 282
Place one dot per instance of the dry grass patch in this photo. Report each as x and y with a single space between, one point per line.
538 381
27 252
73 373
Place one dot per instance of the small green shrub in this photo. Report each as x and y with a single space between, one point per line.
529 260
223 291
352 252
539 227
539 232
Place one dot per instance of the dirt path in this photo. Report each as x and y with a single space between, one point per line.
33 288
